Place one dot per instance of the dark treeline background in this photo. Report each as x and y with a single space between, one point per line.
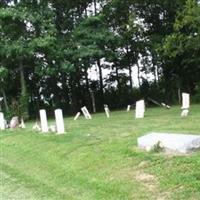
47 48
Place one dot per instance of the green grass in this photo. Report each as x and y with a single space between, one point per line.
99 160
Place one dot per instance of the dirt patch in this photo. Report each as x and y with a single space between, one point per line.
148 180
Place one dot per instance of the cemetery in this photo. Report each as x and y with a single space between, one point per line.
99 100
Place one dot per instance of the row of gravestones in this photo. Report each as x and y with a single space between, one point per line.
140 106
60 129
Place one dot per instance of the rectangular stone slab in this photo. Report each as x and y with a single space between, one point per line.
179 143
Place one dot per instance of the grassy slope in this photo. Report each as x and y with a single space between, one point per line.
99 160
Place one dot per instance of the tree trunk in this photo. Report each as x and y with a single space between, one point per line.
95 7
130 76
22 79
93 101
86 79
23 97
138 66
117 78
5 100
100 78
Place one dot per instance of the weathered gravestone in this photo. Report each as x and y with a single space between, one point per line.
128 108
86 113
22 125
140 109
14 123
36 127
43 121
60 127
107 111
185 104
2 121
171 143
77 116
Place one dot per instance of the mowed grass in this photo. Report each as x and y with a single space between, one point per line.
98 159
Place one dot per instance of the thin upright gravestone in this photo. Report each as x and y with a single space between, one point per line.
2 121
43 120
128 108
107 111
77 116
185 104
60 127
140 109
86 113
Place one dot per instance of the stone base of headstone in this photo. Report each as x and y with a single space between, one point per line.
36 127
52 128
171 143
184 113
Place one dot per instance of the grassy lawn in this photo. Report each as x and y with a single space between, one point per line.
99 160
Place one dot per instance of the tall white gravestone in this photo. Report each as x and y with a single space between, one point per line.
140 109
185 104
43 120
60 127
107 111
2 121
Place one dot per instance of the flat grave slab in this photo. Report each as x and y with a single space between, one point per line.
169 142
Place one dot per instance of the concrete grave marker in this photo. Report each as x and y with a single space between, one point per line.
86 113
177 143
43 121
128 108
77 116
14 123
36 127
140 109
185 104
60 127
22 125
107 111
2 122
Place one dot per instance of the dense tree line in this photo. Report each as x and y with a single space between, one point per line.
47 48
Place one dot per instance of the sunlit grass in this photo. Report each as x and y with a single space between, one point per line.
99 159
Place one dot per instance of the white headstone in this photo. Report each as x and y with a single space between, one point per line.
185 101
180 143
2 122
60 127
140 109
128 108
86 113
77 116
107 111
43 120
